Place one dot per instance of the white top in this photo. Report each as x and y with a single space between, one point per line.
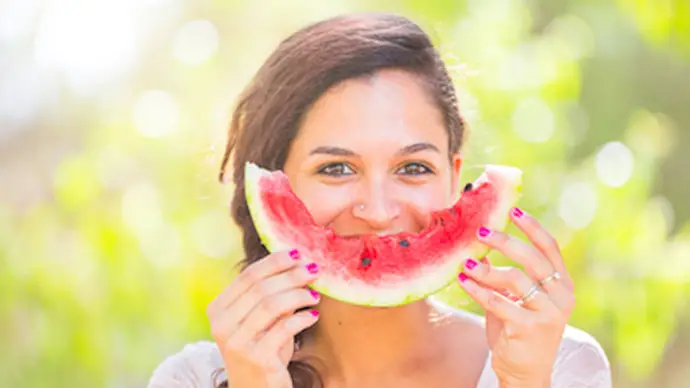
581 363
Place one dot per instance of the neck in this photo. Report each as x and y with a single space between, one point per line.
363 344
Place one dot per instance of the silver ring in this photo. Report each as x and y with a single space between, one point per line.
549 279
530 294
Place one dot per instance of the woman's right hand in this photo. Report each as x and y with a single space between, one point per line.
253 321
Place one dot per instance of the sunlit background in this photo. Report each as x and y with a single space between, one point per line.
114 234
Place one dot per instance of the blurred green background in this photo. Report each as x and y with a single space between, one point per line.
114 233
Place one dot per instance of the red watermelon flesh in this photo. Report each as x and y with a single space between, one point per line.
385 270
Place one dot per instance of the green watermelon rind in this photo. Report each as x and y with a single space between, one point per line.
420 285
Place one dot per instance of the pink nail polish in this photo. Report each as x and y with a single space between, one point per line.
484 232
312 268
462 277
314 293
314 313
470 264
294 254
517 212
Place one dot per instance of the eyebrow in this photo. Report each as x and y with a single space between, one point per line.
407 150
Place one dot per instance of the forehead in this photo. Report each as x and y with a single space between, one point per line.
389 108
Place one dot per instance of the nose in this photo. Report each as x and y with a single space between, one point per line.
378 206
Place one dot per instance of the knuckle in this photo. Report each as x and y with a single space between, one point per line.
249 277
268 306
569 284
211 309
569 303
494 300
260 289
282 327
572 300
217 332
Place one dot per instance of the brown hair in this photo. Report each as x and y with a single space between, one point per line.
268 114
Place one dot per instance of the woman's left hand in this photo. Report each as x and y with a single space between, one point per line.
523 327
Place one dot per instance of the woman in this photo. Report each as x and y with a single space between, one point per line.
361 114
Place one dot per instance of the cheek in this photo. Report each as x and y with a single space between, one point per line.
426 199
422 201
324 202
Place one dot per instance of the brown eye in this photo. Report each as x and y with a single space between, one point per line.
415 169
336 169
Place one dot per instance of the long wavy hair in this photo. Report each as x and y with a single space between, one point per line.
268 113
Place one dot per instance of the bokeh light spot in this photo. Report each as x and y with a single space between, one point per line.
156 113
533 120
213 234
577 205
195 42
615 164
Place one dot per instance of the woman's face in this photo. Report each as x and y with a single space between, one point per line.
379 143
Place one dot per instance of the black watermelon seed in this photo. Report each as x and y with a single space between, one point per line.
366 262
442 221
404 243
468 187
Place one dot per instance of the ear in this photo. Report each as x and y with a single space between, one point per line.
455 174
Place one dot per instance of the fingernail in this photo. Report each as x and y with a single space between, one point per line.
462 277
484 260
314 293
470 264
517 212
294 254
314 313
484 232
312 268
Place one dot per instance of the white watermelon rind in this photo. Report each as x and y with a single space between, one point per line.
252 176
426 281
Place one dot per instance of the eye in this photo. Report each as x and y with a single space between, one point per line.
336 169
415 169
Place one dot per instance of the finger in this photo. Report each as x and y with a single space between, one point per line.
274 308
503 308
532 260
270 265
543 241
511 278
285 330
295 278
503 291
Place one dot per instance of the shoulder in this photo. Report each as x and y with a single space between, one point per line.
581 361
195 365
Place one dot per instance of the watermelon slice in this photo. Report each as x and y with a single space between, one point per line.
388 270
